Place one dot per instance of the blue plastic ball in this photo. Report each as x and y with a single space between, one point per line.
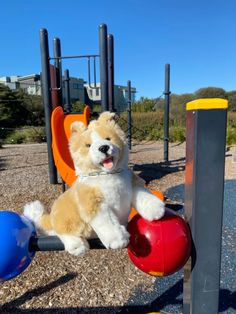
15 233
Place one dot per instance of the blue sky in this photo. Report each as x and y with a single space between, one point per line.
197 37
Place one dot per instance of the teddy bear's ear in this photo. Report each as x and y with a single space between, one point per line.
107 117
77 127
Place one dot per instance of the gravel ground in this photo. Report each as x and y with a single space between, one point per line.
103 281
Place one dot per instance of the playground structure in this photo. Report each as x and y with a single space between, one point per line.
51 78
204 187
205 156
52 81
60 125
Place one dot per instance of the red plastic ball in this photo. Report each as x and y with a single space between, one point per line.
161 247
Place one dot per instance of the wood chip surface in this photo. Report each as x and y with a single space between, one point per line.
103 281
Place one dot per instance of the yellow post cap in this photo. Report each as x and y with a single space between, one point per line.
207 103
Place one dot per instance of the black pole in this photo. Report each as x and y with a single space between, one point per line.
129 115
58 66
103 66
110 52
166 112
206 126
53 243
46 92
67 105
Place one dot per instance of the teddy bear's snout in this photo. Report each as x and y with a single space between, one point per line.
104 149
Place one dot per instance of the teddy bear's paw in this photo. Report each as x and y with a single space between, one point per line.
154 209
75 245
118 238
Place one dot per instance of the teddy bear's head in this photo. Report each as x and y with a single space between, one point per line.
99 147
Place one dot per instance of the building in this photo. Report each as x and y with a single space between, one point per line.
10 81
31 84
76 89
79 90
120 95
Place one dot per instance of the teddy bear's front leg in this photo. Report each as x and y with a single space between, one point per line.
148 205
110 232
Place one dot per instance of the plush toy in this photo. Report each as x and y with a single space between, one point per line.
99 202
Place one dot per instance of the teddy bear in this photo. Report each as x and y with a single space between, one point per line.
99 202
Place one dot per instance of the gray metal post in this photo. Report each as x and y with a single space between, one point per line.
110 51
166 112
129 115
58 65
67 105
103 66
46 92
204 191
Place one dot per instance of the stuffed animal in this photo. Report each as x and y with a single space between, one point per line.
99 202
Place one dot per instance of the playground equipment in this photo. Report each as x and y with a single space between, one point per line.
204 194
160 247
60 124
19 244
53 94
167 93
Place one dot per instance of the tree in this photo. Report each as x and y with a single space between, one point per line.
33 103
232 100
211 92
12 111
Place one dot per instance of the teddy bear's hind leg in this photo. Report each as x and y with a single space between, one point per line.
35 212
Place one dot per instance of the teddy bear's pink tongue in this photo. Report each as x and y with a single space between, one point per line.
108 163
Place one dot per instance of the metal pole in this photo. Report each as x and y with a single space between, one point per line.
46 92
58 65
103 66
67 105
53 243
166 112
129 115
110 47
204 193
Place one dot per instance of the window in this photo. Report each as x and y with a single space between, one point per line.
75 86
97 91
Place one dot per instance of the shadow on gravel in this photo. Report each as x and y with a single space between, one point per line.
153 171
169 298
10 306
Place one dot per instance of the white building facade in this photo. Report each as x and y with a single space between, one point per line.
79 90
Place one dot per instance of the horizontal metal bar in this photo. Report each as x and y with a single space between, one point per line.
74 57
53 243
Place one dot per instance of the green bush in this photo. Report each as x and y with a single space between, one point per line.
231 136
177 134
25 135
147 126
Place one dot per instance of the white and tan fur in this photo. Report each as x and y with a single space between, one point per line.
99 202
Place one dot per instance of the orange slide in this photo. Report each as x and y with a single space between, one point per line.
60 124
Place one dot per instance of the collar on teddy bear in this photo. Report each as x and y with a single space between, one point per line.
100 173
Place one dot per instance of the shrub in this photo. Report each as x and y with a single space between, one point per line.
25 135
177 134
231 136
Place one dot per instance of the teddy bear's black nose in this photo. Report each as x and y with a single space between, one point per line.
104 149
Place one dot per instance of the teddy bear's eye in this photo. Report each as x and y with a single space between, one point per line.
87 145
108 138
